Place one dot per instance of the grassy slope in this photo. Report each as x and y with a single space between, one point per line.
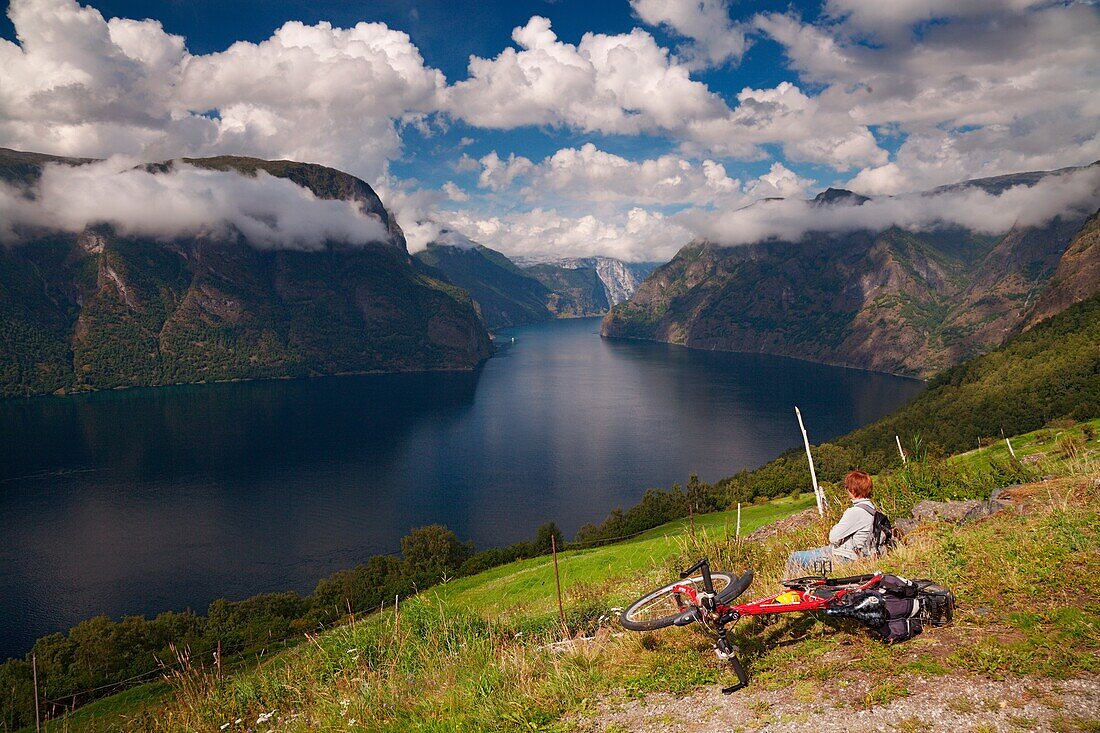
523 591
474 654
527 587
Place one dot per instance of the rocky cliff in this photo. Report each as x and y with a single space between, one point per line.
906 302
1076 278
574 292
620 279
97 309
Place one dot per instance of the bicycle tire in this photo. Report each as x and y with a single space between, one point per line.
663 599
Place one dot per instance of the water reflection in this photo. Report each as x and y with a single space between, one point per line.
139 501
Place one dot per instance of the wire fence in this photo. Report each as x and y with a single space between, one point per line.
68 701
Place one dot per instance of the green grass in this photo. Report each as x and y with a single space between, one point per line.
1053 445
527 586
118 712
486 652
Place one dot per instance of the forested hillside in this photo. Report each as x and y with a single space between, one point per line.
504 294
99 309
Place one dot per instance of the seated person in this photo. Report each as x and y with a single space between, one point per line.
849 539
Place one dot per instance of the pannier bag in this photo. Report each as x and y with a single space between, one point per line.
896 609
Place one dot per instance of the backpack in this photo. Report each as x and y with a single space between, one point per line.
896 609
882 532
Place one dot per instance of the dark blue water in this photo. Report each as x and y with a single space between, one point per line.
144 500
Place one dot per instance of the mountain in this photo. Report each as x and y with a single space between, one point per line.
620 279
575 292
1049 372
1075 278
905 302
97 309
505 294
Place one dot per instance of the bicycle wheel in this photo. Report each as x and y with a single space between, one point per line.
660 608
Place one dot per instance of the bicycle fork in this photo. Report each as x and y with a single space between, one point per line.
728 652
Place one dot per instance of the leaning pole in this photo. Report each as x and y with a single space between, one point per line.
809 456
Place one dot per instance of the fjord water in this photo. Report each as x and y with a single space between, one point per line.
145 500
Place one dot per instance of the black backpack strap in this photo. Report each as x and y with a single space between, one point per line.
869 509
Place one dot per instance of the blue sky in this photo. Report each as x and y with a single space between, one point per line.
581 127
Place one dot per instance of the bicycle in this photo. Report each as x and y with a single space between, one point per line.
708 599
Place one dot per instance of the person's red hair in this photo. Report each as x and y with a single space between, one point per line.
858 484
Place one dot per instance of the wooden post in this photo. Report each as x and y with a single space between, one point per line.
1009 444
900 451
557 581
218 658
738 519
813 474
691 514
34 673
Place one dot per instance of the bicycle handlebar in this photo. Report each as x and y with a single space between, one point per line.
693 568
704 565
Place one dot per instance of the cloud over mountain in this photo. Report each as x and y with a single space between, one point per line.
269 212
1076 193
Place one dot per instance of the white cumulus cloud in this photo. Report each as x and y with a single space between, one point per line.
633 235
76 83
716 39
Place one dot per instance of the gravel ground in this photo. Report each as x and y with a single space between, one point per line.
946 703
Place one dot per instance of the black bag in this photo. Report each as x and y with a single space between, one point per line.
896 608
938 602
882 532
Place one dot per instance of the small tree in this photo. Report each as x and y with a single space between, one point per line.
543 535
432 552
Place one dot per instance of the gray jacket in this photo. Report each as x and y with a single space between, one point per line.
851 536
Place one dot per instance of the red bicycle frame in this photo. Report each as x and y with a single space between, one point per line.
807 600
813 594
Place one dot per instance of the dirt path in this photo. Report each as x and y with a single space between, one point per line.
936 703
945 703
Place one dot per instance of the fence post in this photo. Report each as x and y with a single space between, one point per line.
557 582
738 519
813 474
901 453
34 672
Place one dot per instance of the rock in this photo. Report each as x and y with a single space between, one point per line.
956 512
904 527
997 493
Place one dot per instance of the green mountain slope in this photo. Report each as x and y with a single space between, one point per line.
98 310
906 302
574 292
1048 372
505 294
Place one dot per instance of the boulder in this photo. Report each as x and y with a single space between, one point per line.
956 512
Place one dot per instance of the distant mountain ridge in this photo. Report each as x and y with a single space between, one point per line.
504 294
620 279
507 295
96 309
905 302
